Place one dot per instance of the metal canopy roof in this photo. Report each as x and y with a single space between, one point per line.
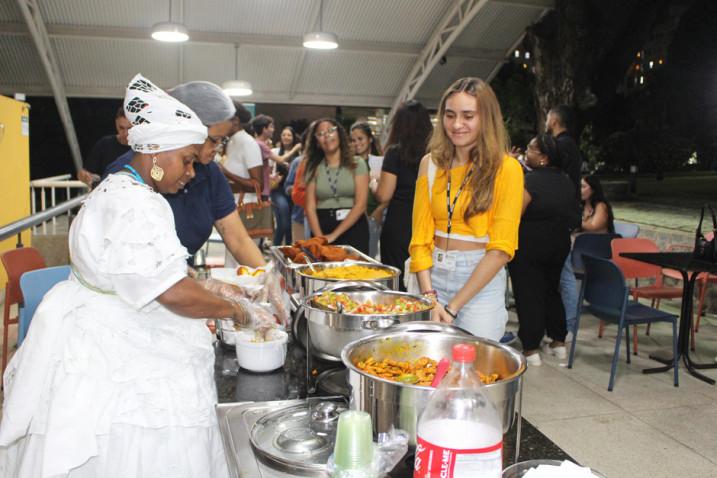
100 44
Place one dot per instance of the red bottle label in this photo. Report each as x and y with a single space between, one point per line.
433 461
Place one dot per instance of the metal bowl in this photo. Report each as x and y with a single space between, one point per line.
398 404
330 330
308 284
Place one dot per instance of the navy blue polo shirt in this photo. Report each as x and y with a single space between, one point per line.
203 201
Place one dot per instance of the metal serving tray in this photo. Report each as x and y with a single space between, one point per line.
236 421
287 269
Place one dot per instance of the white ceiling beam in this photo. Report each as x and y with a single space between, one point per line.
223 38
299 70
451 26
33 18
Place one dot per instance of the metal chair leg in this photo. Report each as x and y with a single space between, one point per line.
675 357
700 304
627 341
616 356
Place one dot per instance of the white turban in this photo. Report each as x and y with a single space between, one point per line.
159 122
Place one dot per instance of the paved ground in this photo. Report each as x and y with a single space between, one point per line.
645 427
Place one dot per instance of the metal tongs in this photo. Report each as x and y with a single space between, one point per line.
310 258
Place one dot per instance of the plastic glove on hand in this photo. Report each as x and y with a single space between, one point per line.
258 317
272 293
224 290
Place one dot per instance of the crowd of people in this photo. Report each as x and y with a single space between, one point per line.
119 360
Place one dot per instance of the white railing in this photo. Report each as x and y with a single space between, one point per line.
47 188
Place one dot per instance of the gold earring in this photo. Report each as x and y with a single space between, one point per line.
156 172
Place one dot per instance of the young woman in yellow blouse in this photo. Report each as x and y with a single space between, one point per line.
465 230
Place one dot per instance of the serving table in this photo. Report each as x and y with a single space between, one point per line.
236 388
690 268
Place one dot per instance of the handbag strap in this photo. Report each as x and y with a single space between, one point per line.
255 183
702 215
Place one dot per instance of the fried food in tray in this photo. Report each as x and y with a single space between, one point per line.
320 249
351 272
416 372
334 301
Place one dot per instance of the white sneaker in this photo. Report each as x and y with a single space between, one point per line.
534 360
559 352
569 337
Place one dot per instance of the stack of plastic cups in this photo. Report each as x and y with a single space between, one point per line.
354 449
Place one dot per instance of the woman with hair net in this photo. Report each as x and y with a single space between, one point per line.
207 200
116 376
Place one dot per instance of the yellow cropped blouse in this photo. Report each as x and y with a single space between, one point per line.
500 223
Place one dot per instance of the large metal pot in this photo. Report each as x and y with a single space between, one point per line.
330 331
308 284
398 404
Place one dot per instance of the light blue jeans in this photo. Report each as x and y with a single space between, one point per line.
569 293
374 234
485 315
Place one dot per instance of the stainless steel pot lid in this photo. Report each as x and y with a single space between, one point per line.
299 438
334 381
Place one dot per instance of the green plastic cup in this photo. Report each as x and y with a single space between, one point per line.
353 449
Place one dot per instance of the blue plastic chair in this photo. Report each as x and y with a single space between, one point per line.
594 244
34 285
627 230
606 294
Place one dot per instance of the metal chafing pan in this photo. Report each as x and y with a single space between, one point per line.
288 268
331 330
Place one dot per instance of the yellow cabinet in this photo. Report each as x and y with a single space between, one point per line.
14 169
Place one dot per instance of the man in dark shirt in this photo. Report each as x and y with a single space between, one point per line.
106 150
557 124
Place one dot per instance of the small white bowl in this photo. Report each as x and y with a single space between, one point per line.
261 356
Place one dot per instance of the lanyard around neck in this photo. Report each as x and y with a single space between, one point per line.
452 207
134 173
333 180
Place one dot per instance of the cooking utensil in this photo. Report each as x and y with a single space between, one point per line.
310 258
441 370
330 330
395 404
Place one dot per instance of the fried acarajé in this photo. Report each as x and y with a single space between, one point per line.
416 372
291 252
319 248
333 254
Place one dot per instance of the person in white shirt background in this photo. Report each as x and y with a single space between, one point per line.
366 146
243 164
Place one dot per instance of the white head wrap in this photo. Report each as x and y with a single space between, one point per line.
159 122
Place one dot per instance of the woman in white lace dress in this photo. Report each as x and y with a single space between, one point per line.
115 378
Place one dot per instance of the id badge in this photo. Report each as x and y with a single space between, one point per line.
445 262
341 214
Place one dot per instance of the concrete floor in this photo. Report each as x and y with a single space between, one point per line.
645 427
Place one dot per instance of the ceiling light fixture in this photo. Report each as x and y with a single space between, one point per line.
237 87
321 40
170 31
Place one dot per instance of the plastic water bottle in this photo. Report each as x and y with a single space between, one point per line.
460 434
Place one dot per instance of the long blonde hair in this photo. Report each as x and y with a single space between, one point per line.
490 148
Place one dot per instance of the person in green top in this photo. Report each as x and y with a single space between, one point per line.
336 187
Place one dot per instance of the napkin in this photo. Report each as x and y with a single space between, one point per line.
567 469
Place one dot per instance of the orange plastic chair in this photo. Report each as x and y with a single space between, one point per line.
16 263
637 270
